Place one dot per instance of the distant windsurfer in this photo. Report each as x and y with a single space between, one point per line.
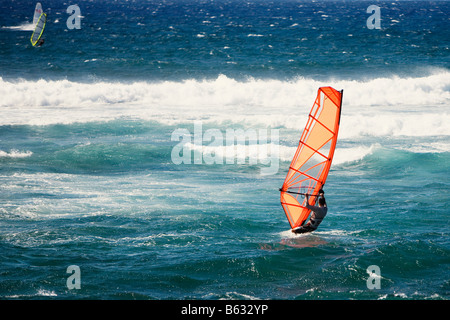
318 213
40 42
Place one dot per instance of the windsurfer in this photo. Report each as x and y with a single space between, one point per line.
318 213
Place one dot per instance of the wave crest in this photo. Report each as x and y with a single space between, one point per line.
378 107
15 154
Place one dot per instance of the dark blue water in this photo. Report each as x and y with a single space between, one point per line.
90 121
195 39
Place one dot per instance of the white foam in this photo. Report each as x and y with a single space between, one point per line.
46 293
242 152
288 234
342 155
431 147
26 26
388 123
15 154
378 107
251 153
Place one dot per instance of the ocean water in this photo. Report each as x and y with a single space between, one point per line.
94 123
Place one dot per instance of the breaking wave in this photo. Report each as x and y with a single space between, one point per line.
379 107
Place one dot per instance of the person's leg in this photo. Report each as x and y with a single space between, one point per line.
303 229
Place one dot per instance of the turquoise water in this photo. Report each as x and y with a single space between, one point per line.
88 127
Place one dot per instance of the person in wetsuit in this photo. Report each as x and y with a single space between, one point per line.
317 214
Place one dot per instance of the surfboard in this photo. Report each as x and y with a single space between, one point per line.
311 163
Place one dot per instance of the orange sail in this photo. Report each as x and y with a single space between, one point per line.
312 160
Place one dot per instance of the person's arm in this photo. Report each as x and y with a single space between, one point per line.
307 205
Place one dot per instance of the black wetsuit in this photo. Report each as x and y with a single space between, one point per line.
317 215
